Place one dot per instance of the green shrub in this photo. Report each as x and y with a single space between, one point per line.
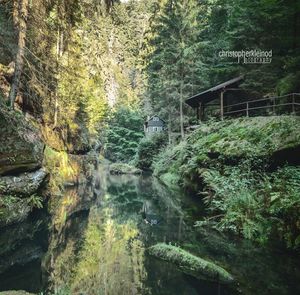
259 206
148 149
123 168
289 84
123 135
35 201
228 162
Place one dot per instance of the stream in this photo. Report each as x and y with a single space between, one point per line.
95 242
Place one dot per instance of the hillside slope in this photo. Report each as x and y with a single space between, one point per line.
247 170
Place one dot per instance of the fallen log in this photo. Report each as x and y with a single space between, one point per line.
191 264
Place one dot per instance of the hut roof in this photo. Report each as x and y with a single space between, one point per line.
153 117
212 93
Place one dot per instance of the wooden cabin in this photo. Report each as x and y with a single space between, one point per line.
227 99
154 125
214 97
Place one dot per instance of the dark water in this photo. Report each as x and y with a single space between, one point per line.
95 242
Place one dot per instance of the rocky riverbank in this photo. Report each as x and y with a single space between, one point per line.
21 173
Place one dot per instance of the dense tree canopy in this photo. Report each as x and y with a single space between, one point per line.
83 58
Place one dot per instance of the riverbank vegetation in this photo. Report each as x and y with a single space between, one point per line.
247 171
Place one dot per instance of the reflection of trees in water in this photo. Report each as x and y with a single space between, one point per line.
131 195
112 257
69 220
102 251
99 251
74 199
59 261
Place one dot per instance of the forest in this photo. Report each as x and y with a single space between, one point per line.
103 159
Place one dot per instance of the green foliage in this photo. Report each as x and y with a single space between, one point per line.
122 168
233 197
186 37
230 141
174 60
9 201
123 135
35 201
171 179
230 163
259 206
82 101
62 291
289 84
148 149
15 209
82 60
62 169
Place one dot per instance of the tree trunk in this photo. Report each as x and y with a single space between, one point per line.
169 128
21 22
59 53
181 109
296 18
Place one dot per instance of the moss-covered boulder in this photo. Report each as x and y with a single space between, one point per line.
24 184
20 146
190 264
13 209
15 293
122 168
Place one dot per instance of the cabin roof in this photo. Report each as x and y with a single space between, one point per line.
153 117
212 93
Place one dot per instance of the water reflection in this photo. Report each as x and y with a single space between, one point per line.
22 247
103 251
107 255
97 237
112 257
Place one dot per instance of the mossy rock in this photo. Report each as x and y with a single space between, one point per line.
170 179
20 146
275 139
15 293
13 210
24 184
190 264
75 140
122 168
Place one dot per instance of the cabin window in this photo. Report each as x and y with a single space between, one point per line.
155 119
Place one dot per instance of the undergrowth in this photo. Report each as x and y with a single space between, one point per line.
230 164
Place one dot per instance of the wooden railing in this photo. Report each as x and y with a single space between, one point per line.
278 105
